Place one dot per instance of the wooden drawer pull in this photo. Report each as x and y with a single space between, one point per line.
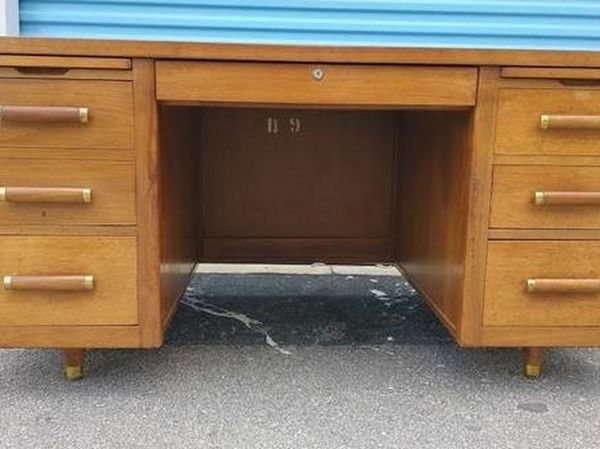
570 121
57 114
566 198
45 195
563 285
53 283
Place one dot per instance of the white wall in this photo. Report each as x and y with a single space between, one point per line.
9 17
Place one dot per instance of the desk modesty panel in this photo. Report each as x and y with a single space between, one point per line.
123 164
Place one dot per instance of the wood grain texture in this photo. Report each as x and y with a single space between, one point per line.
297 53
513 202
312 185
544 336
180 204
66 74
295 250
110 114
66 336
433 208
148 202
544 234
64 62
550 73
511 264
296 84
67 153
568 161
479 172
519 122
107 230
111 260
112 187
329 177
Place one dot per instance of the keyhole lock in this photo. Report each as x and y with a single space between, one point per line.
318 74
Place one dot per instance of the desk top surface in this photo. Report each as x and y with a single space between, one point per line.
288 53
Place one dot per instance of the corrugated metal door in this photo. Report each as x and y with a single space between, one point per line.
431 23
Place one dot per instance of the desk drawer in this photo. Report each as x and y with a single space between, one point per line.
551 121
65 192
545 197
66 114
289 83
543 283
46 280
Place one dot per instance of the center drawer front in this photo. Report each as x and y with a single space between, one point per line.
520 130
514 204
512 263
110 260
288 83
111 186
109 114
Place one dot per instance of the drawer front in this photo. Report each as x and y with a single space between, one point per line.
360 85
564 282
66 114
47 284
545 197
65 192
574 130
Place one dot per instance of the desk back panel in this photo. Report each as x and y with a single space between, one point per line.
297 184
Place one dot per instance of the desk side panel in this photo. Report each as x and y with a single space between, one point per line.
432 207
179 209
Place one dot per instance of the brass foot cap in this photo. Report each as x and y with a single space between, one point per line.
73 372
533 371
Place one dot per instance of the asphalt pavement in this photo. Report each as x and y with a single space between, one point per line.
333 360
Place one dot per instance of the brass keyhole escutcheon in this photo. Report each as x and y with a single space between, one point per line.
318 74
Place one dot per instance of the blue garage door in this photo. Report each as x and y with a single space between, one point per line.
430 23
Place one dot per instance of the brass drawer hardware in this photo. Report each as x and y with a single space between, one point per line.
55 114
542 198
45 195
570 121
587 286
51 283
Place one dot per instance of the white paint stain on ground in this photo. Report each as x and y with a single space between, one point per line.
200 305
380 295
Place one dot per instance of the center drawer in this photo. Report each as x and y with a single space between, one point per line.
68 280
66 192
315 84
542 283
66 114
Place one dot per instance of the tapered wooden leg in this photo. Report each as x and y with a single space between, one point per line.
532 363
73 359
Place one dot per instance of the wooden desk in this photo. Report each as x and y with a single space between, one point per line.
123 164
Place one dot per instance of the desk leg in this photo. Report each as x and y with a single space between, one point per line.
532 363
73 359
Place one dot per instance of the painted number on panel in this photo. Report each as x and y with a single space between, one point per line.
272 126
295 125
